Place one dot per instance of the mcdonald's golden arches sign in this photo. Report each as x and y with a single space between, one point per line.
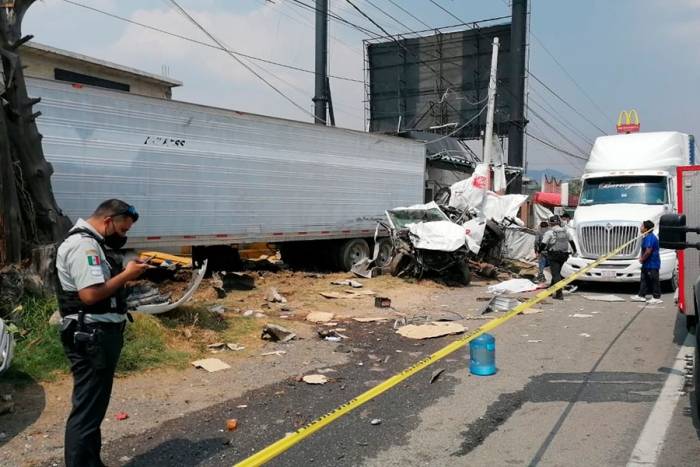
624 123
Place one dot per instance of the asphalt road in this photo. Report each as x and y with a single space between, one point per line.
580 396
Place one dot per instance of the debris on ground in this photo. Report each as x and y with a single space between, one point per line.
534 341
331 335
315 379
211 364
342 348
376 421
219 309
145 294
216 348
436 374
371 319
585 335
232 424
277 333
431 330
382 302
122 416
349 283
218 285
580 315
279 353
319 317
498 303
249 313
235 347
531 311
273 296
603 298
513 286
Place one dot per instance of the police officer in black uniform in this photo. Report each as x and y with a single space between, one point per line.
556 244
92 303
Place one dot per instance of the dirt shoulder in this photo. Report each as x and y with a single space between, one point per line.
33 433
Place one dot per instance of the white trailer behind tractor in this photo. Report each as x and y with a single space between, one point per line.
214 179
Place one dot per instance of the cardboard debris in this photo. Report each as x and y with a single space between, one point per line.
579 315
531 311
428 331
332 295
349 283
211 364
319 317
370 320
361 292
315 379
235 347
603 298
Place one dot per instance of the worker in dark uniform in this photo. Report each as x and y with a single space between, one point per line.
556 243
90 292
541 255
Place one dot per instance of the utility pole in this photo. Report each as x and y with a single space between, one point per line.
321 93
488 137
516 131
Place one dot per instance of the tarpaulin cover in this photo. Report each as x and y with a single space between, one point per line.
520 244
513 286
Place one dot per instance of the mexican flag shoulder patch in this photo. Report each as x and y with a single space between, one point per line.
93 260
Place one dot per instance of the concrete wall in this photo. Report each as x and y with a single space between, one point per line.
42 65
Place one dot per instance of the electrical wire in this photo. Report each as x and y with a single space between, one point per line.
368 18
388 15
558 132
213 38
408 13
195 41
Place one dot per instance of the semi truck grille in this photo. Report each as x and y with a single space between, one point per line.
598 240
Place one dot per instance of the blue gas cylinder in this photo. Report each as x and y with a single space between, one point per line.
482 353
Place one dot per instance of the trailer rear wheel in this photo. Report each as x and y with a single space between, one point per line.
386 250
352 252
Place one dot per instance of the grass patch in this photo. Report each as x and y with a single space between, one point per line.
146 347
39 353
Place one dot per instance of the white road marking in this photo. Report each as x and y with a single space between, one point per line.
646 452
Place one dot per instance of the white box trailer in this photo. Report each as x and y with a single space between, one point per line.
207 177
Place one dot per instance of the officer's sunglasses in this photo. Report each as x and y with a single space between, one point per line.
131 212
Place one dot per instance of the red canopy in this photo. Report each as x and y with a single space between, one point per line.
553 199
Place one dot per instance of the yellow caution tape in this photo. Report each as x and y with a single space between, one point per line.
287 442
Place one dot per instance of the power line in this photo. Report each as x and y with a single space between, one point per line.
552 146
566 103
368 18
559 133
272 86
162 31
572 79
564 123
408 13
388 15
338 18
446 11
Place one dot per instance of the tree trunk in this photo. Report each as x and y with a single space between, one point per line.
42 221
10 215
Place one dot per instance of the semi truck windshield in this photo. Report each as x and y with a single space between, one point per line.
624 190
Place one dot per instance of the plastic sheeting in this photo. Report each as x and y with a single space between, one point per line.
471 193
475 230
520 244
541 214
438 236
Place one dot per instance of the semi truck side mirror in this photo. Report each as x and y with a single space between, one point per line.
672 231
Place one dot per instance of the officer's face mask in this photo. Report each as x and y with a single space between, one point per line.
114 240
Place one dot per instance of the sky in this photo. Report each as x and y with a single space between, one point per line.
599 56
